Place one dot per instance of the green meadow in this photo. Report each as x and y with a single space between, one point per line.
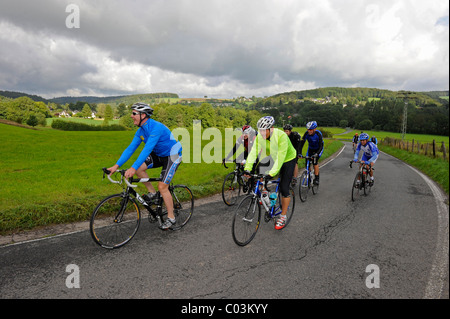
50 176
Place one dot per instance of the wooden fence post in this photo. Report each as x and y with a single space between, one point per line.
434 148
412 146
443 150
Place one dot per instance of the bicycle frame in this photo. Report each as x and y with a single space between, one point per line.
274 210
129 190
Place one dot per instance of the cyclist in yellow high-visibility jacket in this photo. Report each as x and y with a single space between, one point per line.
276 143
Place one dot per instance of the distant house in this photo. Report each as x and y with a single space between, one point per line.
64 114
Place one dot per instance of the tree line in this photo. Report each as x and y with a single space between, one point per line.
383 114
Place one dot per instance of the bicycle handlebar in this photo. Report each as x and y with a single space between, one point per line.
127 181
224 165
360 162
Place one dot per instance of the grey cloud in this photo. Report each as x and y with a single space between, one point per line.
248 44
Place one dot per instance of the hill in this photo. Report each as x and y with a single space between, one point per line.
355 95
15 95
114 100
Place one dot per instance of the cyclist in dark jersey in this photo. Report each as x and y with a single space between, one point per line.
247 139
160 150
315 146
295 139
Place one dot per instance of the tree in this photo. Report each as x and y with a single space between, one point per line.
32 120
108 113
87 112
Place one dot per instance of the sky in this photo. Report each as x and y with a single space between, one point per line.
221 48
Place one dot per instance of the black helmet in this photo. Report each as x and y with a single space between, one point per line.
287 127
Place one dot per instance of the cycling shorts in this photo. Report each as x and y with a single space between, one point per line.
286 174
169 165
311 152
367 158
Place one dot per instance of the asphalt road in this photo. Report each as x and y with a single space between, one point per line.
398 231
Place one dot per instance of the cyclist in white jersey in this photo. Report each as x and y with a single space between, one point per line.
370 153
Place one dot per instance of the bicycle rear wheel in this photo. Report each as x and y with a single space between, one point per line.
357 187
230 189
303 188
246 220
115 221
183 206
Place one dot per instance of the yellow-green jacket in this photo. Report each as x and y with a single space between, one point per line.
278 145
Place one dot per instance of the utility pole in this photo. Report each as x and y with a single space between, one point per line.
405 95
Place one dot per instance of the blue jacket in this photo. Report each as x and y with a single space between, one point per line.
157 138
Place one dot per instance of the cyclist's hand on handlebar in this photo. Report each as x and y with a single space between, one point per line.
129 172
112 169
300 156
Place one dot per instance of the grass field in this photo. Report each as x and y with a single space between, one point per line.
50 176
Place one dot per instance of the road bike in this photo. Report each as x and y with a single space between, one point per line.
116 218
361 183
234 184
247 218
306 180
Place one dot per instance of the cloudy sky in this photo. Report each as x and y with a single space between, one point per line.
221 48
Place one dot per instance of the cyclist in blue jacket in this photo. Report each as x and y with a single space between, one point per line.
160 150
315 147
370 154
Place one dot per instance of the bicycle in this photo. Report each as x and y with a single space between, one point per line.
247 218
234 183
306 180
360 183
116 218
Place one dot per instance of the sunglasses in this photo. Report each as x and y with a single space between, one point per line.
135 113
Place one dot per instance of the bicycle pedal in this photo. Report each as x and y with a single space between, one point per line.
152 219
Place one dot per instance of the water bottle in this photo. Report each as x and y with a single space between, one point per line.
265 198
273 199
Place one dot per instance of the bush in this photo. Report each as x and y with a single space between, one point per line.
74 126
343 123
365 125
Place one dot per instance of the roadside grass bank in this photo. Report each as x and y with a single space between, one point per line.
52 177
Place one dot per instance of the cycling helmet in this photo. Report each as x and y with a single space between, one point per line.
311 125
246 129
265 122
142 108
364 136
287 127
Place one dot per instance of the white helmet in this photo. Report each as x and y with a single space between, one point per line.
143 108
265 122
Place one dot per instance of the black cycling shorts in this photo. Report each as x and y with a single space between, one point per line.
286 174
169 165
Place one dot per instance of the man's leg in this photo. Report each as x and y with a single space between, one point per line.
167 197
141 173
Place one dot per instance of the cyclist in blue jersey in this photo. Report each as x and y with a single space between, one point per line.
315 146
160 150
370 154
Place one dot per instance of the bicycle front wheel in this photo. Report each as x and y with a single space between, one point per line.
303 188
246 220
230 189
183 206
357 186
115 221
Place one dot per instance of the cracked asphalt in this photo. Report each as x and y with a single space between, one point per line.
323 253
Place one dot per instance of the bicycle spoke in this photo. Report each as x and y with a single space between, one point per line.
115 221
246 221
230 189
